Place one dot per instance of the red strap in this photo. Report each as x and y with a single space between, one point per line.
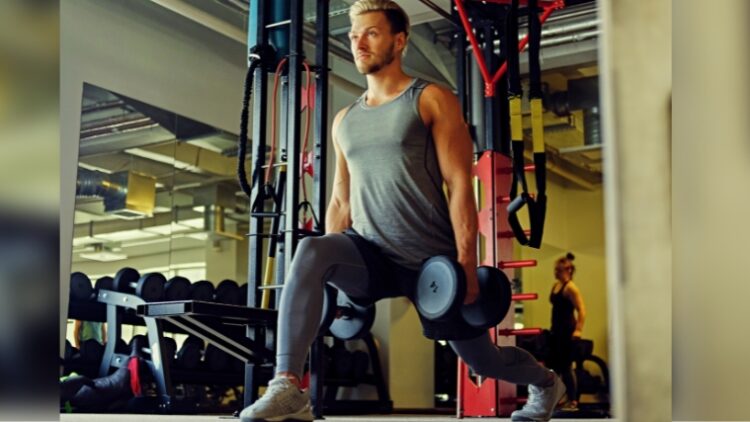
135 377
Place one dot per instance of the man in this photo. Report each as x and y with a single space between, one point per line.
395 146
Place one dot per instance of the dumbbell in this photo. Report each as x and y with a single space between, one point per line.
91 351
216 359
177 288
81 289
121 347
343 363
360 364
228 291
189 355
70 351
149 287
342 317
170 349
104 283
243 294
202 290
441 289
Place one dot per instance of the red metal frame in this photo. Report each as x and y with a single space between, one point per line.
490 81
517 264
478 397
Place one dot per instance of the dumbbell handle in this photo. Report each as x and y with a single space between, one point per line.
344 312
521 332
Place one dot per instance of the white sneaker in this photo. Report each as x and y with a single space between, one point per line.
541 402
282 401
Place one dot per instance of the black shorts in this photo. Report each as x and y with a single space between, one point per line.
388 279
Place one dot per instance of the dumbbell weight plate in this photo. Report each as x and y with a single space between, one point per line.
494 299
361 362
441 288
329 312
92 351
170 348
228 291
104 283
69 350
216 359
354 325
124 278
202 290
177 288
150 287
243 294
189 355
139 339
121 347
80 287
343 363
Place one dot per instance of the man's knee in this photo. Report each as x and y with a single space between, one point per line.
489 363
315 249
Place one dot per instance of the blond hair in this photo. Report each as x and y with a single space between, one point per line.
397 18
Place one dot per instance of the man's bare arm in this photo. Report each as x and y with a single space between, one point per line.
338 215
455 156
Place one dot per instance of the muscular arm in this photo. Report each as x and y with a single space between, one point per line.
441 112
574 295
338 215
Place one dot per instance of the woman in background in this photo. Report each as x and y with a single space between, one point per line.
568 316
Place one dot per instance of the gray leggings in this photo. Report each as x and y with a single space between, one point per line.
334 258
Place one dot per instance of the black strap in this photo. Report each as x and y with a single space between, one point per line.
537 207
242 141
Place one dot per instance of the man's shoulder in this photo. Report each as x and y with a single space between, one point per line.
436 91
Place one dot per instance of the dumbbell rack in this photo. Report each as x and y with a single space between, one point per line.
219 324
115 303
328 403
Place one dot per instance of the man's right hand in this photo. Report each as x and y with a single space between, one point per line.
472 285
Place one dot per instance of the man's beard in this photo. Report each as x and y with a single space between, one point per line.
369 69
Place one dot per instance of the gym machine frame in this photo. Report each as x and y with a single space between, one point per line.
489 119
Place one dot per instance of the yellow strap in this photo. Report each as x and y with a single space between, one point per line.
516 119
537 125
265 301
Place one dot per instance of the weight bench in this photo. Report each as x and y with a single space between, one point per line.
217 324
239 331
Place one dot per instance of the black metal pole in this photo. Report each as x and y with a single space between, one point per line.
296 56
320 148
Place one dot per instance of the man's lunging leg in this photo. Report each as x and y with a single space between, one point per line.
517 366
332 258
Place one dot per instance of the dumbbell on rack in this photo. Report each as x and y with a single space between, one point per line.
202 290
81 289
216 359
189 355
228 291
343 318
149 287
177 288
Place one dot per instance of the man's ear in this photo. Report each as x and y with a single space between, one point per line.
401 41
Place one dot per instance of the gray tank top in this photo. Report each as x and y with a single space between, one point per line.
396 188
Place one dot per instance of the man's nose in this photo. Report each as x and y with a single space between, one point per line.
361 44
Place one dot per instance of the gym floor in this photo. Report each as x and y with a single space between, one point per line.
222 418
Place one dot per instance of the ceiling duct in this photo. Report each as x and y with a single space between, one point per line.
126 194
582 94
183 128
